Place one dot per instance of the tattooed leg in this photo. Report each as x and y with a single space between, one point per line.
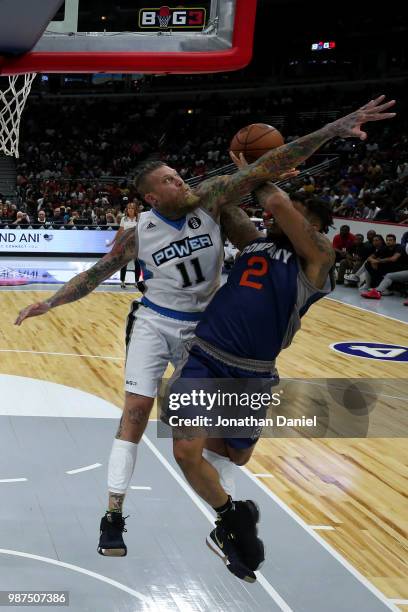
115 502
124 450
135 417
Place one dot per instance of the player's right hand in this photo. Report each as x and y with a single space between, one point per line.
34 310
240 161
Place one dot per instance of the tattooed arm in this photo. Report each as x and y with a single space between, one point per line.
223 190
85 282
314 249
238 227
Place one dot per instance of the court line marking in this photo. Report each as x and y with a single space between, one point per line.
62 354
401 602
265 475
141 488
322 527
348 566
197 501
380 314
80 570
84 469
14 480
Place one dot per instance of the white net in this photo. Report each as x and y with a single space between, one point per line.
14 91
164 20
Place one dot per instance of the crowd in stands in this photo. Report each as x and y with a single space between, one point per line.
78 157
375 265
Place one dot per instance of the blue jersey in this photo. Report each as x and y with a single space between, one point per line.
257 312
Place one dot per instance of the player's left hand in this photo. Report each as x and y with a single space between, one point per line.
350 125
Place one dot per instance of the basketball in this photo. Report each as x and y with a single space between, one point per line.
256 139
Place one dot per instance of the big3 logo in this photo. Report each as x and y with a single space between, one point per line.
172 18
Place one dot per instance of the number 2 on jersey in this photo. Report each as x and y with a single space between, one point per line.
254 271
197 270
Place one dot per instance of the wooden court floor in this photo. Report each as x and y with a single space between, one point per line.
355 487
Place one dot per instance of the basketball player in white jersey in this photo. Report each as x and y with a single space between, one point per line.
179 245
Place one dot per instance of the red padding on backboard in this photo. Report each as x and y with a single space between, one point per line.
235 58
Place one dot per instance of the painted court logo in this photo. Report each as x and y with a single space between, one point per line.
372 350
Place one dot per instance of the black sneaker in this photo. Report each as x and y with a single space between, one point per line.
111 542
241 523
222 544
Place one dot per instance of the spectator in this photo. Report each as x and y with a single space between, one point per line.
353 260
368 244
374 172
12 210
373 210
343 241
42 218
400 275
361 211
57 218
110 219
364 251
402 171
128 221
386 212
389 260
22 219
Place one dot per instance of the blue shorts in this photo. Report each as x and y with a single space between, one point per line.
200 364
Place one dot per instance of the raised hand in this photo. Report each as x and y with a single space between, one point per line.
240 161
350 125
34 310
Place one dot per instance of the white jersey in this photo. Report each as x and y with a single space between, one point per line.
181 262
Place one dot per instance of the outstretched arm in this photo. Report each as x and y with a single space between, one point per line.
229 189
85 282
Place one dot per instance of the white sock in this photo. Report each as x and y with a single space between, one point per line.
225 468
121 465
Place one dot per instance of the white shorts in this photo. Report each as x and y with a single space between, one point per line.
152 341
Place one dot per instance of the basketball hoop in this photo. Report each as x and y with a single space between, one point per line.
164 16
14 91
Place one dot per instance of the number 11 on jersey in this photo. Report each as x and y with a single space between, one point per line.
199 277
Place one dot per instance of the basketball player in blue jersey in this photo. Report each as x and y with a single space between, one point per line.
179 246
250 320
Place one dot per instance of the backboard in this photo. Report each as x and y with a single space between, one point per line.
135 36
